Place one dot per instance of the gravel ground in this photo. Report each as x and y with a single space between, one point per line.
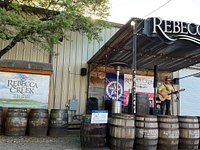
70 142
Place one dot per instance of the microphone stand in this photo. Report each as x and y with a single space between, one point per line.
177 97
155 82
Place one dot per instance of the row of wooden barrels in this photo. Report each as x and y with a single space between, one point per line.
33 122
149 132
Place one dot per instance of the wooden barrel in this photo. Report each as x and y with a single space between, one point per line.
189 132
16 121
92 135
146 132
38 122
168 129
58 122
145 144
122 131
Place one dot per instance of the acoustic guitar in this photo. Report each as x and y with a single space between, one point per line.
162 96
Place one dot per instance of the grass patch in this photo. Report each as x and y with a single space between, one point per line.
22 103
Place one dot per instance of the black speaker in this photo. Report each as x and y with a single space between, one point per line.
108 106
155 81
83 71
175 81
155 111
92 104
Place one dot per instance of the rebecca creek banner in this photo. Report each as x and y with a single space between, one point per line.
144 84
24 90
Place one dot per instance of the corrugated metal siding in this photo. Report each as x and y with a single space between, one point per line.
73 55
26 51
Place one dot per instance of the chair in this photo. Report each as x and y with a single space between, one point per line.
92 104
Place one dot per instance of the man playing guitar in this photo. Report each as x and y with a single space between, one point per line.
164 94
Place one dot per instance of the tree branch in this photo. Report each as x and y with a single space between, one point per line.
15 40
44 14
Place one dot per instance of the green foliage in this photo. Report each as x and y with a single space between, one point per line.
46 21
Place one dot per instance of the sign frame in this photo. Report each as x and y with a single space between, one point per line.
34 72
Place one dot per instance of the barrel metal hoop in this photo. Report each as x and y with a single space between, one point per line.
130 139
146 116
185 122
152 139
170 117
119 117
122 126
188 128
98 136
182 138
94 126
168 128
146 121
168 138
146 128
118 147
167 122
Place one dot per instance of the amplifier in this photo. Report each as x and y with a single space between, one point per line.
155 111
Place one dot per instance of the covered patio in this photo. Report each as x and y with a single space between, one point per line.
150 51
139 52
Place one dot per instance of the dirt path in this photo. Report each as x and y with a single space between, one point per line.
70 142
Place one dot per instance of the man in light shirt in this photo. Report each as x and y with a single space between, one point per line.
165 95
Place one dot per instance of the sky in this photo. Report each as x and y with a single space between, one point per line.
180 10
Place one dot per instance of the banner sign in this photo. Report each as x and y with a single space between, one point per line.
99 116
127 87
24 90
111 87
144 84
171 31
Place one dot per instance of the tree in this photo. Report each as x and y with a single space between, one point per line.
46 21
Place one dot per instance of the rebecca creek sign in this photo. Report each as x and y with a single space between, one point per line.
171 31
24 90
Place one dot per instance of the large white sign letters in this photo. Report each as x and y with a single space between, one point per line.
171 31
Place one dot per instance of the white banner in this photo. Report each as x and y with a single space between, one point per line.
24 90
144 84
99 116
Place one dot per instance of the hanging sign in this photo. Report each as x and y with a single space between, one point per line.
171 31
144 84
111 87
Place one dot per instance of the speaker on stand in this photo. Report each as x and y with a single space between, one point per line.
156 110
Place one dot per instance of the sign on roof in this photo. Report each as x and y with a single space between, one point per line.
171 31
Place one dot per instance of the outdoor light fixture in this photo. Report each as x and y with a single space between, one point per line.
132 23
117 105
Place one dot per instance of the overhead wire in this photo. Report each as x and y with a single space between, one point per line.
157 8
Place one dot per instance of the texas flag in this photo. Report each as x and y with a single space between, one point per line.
144 85
111 87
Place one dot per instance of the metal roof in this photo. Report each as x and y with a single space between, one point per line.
150 50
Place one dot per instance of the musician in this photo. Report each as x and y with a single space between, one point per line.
164 93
